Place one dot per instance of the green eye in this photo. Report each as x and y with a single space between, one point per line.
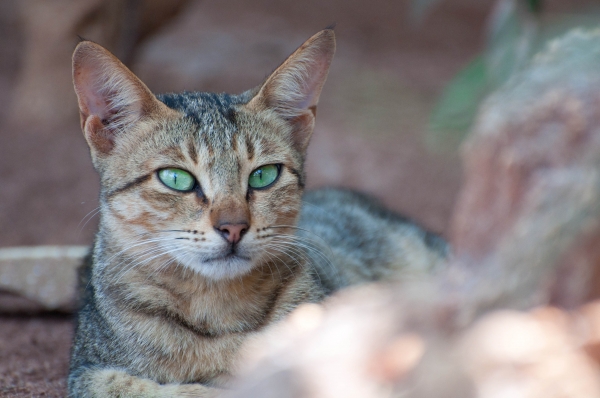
263 176
176 179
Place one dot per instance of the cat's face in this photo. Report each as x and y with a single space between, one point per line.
193 189
209 182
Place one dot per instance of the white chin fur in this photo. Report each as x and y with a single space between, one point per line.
219 269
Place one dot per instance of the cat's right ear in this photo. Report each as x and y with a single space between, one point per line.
111 98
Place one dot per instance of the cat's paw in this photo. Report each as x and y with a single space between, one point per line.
189 391
117 383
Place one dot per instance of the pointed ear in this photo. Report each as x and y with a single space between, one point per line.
111 98
293 90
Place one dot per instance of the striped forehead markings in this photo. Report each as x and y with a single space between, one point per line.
205 143
234 143
192 151
249 148
175 153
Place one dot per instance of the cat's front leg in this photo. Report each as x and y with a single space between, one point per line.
113 383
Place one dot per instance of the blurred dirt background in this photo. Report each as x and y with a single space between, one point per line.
388 72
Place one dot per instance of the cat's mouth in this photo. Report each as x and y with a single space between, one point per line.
223 264
231 253
228 257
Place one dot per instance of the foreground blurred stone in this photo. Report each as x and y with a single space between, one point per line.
354 347
46 275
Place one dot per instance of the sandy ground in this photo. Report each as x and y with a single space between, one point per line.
370 131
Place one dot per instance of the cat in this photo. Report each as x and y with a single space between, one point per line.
206 237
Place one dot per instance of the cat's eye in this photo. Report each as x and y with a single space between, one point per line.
177 179
264 176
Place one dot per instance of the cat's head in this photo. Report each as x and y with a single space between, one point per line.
210 181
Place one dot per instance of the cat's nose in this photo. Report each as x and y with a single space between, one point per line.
232 232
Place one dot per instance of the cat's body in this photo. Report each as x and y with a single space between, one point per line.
359 241
204 239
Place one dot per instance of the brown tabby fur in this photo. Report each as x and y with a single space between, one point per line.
168 301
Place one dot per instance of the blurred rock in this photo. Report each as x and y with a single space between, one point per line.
529 212
45 275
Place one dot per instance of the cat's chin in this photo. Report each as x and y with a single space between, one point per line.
226 267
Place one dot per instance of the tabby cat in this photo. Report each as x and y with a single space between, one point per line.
205 237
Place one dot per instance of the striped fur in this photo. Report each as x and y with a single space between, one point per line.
168 301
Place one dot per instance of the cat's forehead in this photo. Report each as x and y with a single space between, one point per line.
207 117
216 131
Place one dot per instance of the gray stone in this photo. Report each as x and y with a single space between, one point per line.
46 275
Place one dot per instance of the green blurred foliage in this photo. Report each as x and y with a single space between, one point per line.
517 29
419 8
535 5
456 108
513 29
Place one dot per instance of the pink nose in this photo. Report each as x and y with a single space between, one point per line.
232 232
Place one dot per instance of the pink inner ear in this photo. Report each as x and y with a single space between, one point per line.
311 87
97 105
310 98
91 100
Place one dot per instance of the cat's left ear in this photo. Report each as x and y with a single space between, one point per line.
292 90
